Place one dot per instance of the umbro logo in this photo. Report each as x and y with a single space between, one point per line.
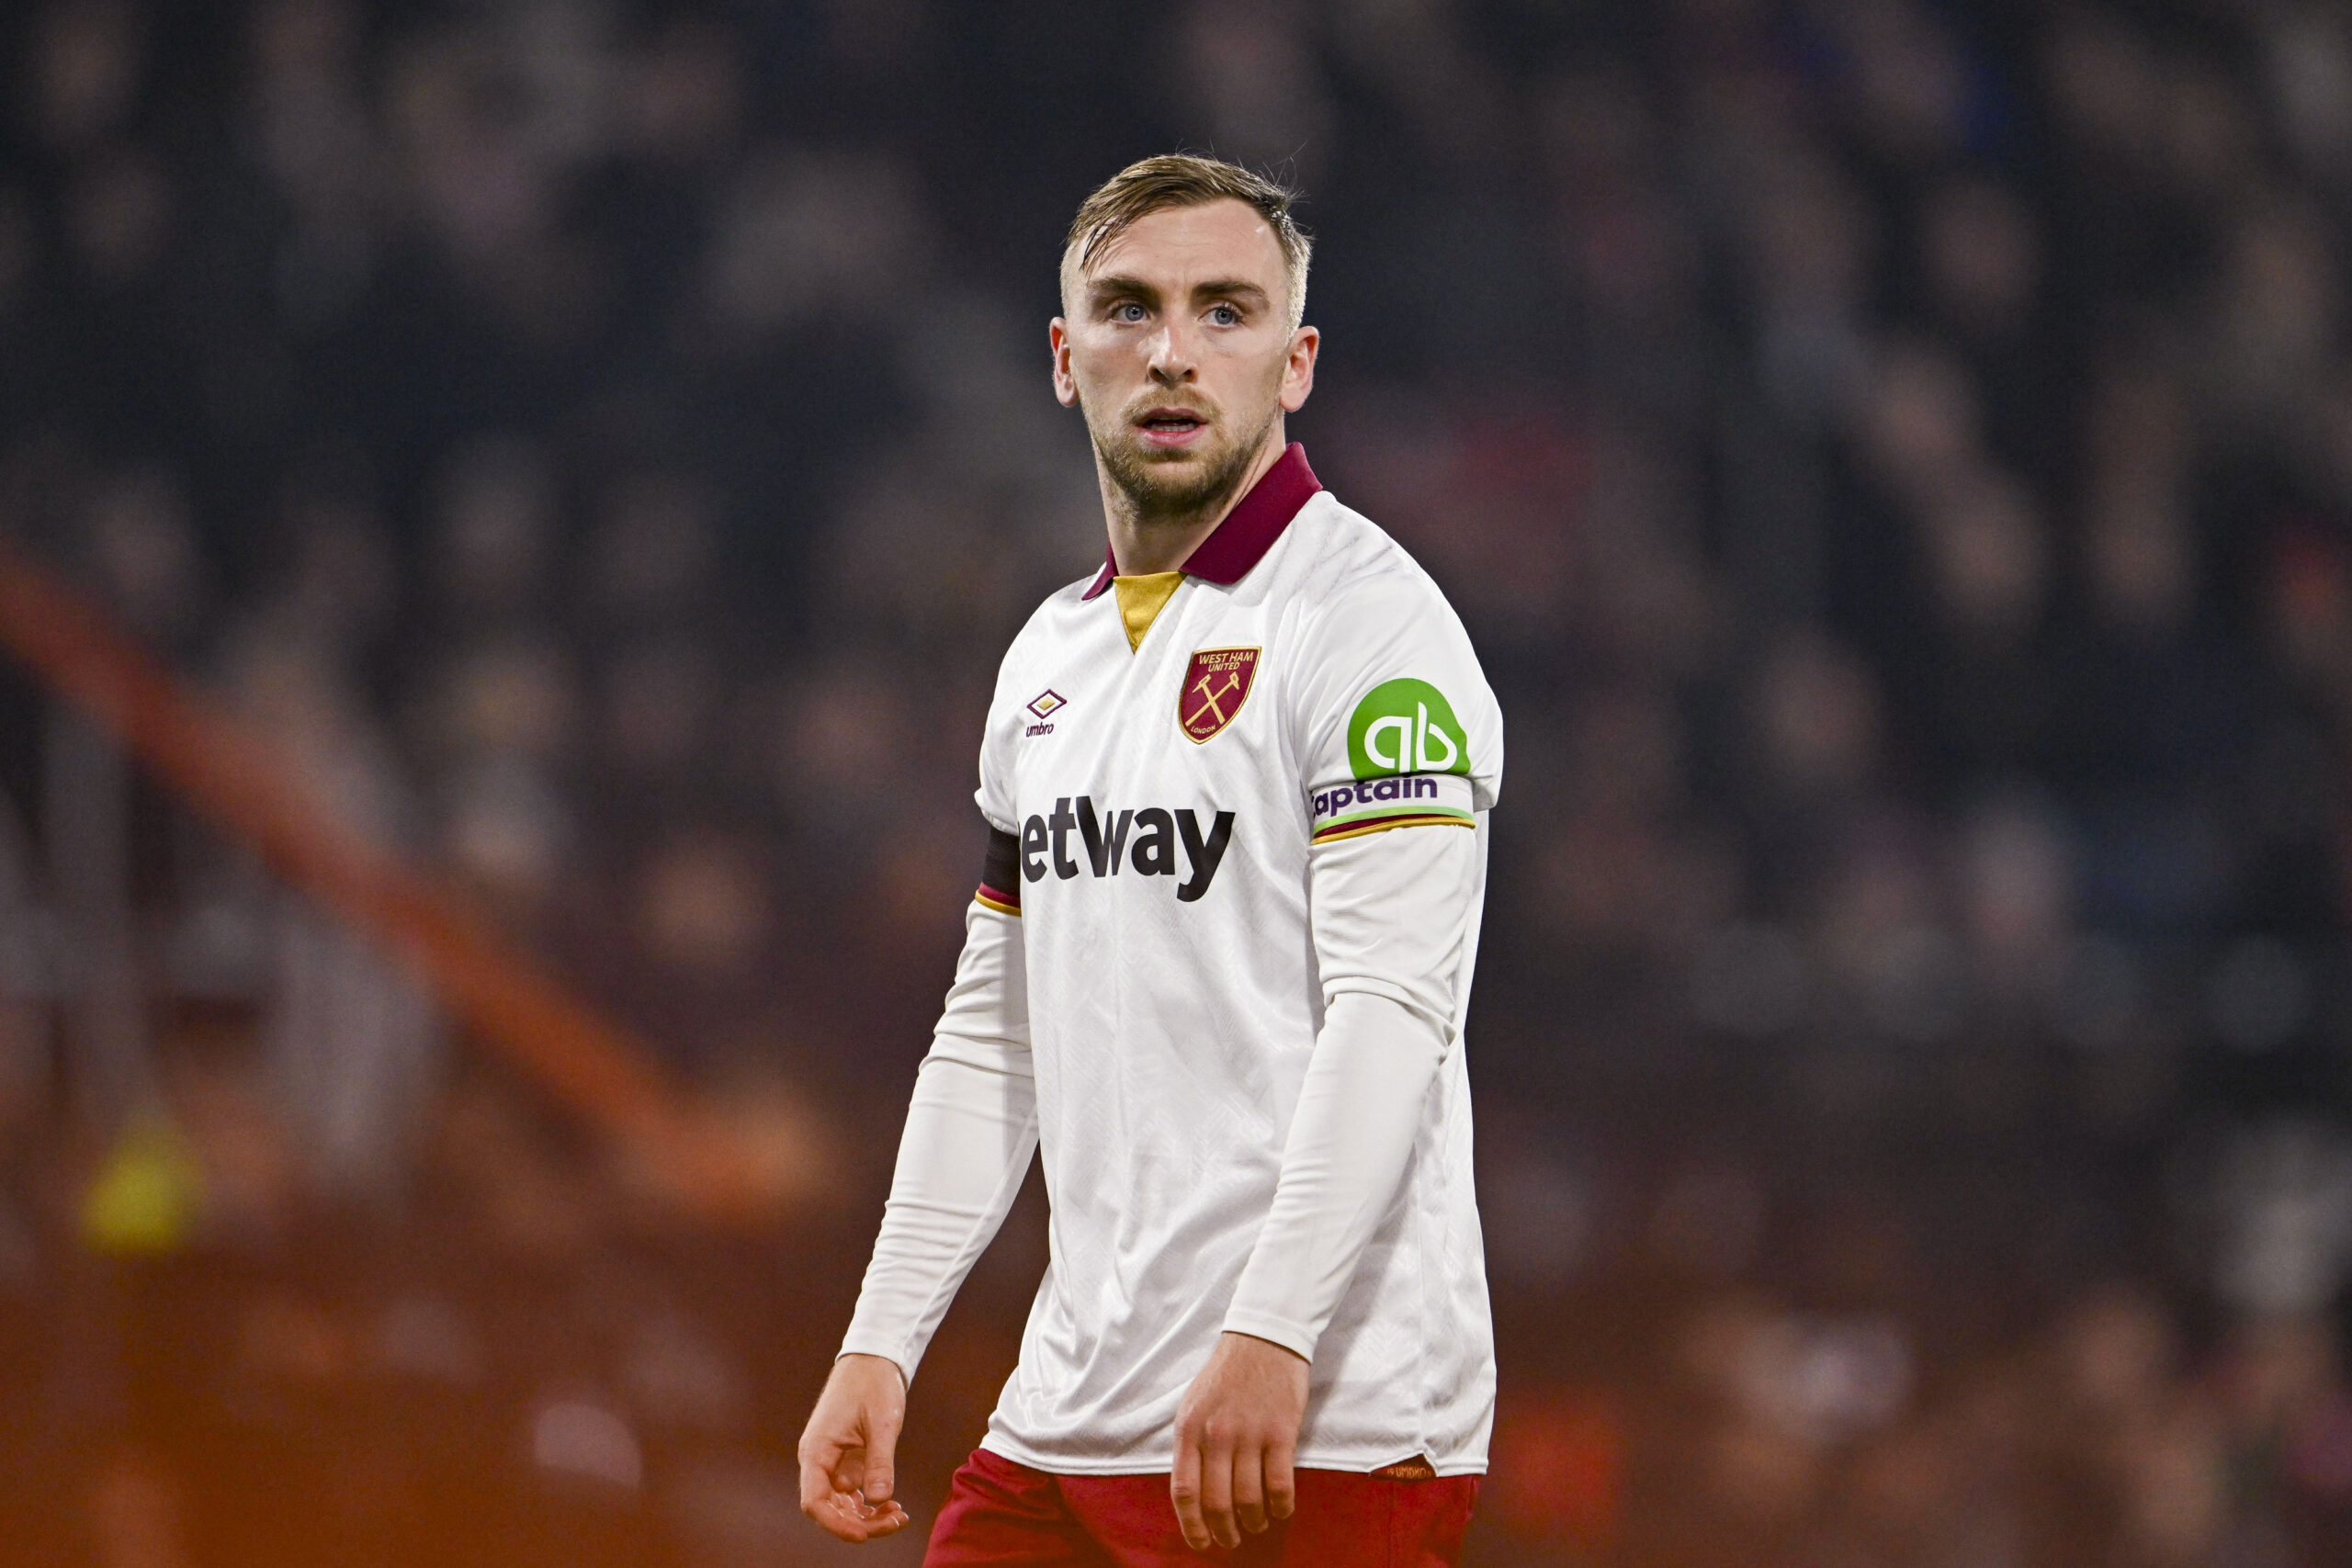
1045 705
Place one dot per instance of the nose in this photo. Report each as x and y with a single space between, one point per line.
1173 358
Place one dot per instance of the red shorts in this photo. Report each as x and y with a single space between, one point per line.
1002 1513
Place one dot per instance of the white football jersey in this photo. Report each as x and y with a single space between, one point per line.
1305 681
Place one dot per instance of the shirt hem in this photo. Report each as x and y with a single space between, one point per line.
997 1444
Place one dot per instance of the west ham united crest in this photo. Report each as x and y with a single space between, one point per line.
1216 683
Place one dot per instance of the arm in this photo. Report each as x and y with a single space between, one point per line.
971 1128
1395 917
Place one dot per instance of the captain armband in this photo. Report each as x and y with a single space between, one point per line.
1357 806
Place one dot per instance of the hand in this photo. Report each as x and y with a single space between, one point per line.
1237 1432
845 1449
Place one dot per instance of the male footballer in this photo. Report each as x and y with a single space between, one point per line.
1236 787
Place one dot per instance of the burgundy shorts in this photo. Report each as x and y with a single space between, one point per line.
1002 1513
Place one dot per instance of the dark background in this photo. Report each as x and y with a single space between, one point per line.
1894 460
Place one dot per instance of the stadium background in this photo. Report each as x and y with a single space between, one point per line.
1896 460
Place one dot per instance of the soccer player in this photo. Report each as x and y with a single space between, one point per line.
1236 788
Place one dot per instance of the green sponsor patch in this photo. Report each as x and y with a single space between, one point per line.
1405 726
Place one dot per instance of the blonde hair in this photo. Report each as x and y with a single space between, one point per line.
1184 179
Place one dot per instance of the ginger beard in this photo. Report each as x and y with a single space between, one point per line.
1178 487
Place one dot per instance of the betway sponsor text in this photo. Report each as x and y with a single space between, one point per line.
1145 841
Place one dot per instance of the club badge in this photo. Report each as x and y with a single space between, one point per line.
1216 683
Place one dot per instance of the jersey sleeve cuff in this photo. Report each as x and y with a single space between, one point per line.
1294 1336
891 1350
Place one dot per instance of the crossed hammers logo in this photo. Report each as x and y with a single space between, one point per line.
1209 699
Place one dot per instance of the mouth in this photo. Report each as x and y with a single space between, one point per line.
1170 427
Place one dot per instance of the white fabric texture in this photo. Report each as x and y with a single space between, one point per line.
971 1129
1388 986
1228 985
1388 991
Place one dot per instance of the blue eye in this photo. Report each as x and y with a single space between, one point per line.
1225 315
1129 311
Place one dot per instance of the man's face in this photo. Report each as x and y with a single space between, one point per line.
1178 348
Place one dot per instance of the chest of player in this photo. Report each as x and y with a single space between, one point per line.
1161 772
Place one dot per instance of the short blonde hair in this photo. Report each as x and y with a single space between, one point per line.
1184 179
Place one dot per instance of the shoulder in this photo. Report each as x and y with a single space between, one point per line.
1359 585
1046 626
1036 651
1055 609
1021 679
1378 645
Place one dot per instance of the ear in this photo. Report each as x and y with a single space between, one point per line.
1298 368
1065 384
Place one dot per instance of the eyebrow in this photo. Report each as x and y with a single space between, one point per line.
1119 286
1229 287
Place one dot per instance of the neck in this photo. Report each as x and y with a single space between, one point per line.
1142 543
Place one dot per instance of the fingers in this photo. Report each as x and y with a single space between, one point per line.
830 1496
881 1452
817 1459
1282 1478
1217 1487
834 1509
1237 1436
858 1492
847 1454
877 1519
1249 1488
1184 1489
878 1481
847 1517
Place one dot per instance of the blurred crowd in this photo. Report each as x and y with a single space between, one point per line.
1894 460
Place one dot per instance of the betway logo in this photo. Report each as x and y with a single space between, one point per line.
1145 841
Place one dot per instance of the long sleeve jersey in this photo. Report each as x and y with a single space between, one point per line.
1209 979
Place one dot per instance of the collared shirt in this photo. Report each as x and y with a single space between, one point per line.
1162 794
1247 532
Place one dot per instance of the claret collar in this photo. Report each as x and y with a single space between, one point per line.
1248 530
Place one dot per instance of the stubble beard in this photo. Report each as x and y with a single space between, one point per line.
1158 497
